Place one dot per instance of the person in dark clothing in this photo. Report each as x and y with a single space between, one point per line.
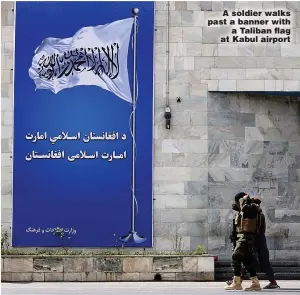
262 251
247 224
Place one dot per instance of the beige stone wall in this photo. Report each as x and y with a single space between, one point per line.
7 65
219 143
103 269
196 49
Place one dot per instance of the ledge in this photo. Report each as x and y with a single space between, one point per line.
101 268
101 255
294 93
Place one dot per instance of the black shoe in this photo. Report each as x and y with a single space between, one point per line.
271 286
229 282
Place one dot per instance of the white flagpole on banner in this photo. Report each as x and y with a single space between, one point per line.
133 236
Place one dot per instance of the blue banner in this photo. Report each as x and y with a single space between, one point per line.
73 146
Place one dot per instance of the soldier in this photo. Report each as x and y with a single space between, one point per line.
233 239
247 222
262 251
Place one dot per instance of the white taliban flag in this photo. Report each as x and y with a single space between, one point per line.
93 56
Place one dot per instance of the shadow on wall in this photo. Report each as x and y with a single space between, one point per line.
254 146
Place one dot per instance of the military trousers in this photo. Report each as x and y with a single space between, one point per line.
244 253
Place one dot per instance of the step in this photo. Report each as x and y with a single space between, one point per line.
287 276
284 270
275 269
227 276
273 263
278 276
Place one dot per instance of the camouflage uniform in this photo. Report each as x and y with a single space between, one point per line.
244 251
248 223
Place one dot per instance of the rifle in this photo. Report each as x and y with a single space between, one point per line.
233 236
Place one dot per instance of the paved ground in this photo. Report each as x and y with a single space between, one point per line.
149 288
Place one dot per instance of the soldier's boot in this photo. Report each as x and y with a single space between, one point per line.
235 285
229 282
255 286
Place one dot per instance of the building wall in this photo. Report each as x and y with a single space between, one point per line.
220 143
7 55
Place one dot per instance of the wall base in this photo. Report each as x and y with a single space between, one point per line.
106 268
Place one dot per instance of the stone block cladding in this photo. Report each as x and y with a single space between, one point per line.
222 139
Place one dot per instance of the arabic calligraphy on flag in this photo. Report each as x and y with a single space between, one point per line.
93 56
100 61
